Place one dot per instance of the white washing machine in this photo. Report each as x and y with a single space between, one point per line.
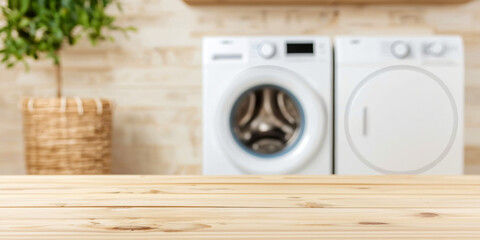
267 105
399 105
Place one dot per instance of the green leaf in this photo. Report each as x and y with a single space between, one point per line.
25 64
119 7
36 28
24 4
24 22
83 18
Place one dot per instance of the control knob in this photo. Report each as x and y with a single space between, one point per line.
436 49
266 50
400 49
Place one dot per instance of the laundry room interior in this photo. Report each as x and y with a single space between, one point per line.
154 76
239 119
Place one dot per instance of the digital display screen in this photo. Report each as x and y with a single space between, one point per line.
299 48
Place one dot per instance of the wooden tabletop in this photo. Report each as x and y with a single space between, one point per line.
239 207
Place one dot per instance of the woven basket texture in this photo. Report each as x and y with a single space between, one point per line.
67 136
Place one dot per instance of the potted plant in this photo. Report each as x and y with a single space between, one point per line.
63 135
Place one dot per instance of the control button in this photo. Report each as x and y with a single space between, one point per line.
436 49
400 49
266 50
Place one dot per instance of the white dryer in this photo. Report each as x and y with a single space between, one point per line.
267 105
399 105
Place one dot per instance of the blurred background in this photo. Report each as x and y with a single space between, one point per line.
154 76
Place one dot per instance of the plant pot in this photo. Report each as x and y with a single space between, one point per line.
67 135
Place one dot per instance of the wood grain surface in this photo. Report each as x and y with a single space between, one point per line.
155 76
240 207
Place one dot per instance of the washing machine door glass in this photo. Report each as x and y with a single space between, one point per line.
271 121
401 120
267 120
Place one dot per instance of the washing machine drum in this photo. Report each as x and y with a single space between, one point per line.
267 120
271 121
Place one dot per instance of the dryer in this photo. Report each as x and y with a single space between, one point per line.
267 105
399 105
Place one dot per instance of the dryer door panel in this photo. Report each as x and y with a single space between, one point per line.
401 120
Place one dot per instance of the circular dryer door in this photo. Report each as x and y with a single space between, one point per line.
401 120
271 121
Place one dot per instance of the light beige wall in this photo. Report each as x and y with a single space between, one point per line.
155 76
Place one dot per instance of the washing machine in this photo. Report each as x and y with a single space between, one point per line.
399 105
267 105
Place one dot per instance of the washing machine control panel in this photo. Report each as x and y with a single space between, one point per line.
289 50
267 49
292 50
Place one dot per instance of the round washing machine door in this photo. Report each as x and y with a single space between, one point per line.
401 120
271 121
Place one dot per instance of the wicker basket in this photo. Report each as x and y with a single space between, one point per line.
67 135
